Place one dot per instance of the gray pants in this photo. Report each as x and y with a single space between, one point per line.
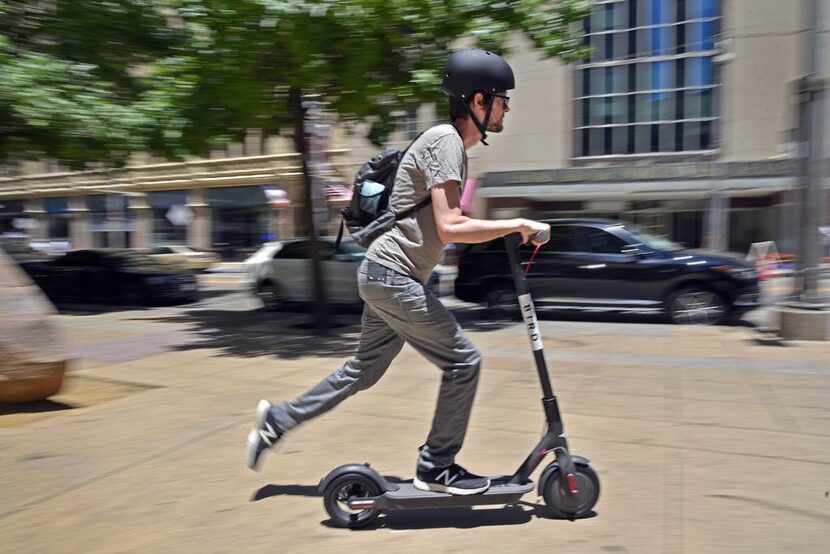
397 309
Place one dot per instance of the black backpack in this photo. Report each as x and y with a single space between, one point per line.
368 215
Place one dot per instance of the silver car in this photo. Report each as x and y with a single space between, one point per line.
286 277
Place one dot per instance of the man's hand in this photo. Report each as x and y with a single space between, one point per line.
530 228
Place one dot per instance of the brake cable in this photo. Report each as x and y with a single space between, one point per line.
532 257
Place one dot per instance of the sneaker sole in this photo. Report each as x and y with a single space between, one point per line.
261 413
253 437
435 487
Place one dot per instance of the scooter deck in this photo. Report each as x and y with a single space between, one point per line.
407 497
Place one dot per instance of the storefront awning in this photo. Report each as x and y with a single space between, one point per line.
641 191
645 182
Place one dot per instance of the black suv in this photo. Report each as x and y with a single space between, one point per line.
603 265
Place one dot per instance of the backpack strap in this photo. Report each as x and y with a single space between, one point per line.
409 211
339 234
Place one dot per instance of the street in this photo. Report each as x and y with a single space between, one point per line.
706 439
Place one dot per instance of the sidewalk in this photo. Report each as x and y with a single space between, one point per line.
705 439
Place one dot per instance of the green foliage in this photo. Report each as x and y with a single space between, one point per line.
94 79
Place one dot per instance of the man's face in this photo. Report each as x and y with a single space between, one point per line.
500 107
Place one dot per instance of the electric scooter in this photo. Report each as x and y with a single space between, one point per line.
354 495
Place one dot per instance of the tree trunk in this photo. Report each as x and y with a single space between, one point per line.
319 301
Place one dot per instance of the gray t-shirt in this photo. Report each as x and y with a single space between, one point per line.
412 246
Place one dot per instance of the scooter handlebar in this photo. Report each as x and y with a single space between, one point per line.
542 236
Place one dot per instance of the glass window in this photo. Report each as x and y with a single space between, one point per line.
706 104
643 76
620 45
643 107
667 137
619 77
691 136
642 139
618 140
706 135
643 42
657 33
561 239
597 142
293 251
619 109
299 250
58 205
692 103
598 241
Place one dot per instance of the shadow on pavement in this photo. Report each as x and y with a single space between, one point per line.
254 333
35 407
480 318
284 490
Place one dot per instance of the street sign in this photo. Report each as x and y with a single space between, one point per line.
180 215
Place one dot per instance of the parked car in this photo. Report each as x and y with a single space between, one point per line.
286 276
265 252
113 276
191 258
611 265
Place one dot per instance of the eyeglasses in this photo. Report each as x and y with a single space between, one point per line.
505 100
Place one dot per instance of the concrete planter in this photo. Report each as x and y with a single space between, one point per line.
33 353
802 324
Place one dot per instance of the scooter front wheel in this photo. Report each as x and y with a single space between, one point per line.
349 487
564 504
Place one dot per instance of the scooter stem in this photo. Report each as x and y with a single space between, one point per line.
554 440
512 242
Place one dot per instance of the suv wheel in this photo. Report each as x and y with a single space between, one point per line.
271 296
696 305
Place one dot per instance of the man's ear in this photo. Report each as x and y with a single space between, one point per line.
480 100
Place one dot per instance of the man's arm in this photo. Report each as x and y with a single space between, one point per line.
454 226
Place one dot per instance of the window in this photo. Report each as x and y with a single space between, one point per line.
293 251
650 85
598 241
80 259
299 251
562 239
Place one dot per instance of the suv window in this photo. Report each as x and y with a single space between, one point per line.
599 241
562 239
79 259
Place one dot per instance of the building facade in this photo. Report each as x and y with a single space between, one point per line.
683 120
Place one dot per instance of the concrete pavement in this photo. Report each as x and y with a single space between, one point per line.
705 439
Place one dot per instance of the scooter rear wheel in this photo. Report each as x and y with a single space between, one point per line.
562 503
339 491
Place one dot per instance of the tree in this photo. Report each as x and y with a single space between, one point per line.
188 74
91 80
366 58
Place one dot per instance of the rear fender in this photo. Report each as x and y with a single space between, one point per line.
362 469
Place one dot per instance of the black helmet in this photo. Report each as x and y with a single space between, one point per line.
473 70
